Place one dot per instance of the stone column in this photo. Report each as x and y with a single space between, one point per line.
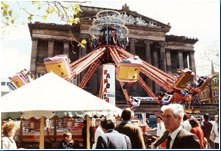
180 59
34 55
66 47
168 58
148 60
82 52
132 46
156 64
133 89
162 56
148 51
192 62
50 47
185 64
188 59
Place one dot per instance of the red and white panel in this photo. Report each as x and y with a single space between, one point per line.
109 83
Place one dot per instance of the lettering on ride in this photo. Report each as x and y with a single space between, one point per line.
109 83
107 86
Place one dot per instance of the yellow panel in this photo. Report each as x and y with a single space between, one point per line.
17 82
128 73
183 80
58 68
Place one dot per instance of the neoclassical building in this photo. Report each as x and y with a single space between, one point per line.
147 38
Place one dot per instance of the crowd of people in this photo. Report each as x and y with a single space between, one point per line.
175 130
126 135
206 132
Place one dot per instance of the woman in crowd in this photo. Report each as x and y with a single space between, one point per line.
9 130
196 129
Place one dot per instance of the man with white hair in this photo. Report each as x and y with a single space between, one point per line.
178 137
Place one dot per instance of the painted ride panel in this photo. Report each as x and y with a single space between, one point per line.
59 65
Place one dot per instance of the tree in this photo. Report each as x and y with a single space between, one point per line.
207 56
212 54
66 12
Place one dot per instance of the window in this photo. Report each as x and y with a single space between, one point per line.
3 83
215 92
203 96
215 81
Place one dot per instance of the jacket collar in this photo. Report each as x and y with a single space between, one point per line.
175 133
126 122
178 138
111 130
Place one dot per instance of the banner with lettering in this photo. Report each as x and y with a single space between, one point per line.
109 83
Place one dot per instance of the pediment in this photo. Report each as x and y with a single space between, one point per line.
133 18
130 17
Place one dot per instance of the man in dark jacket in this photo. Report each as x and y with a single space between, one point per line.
67 142
178 138
112 139
133 132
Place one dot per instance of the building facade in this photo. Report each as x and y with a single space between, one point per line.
215 88
147 38
210 95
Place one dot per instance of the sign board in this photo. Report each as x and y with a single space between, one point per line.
149 99
109 83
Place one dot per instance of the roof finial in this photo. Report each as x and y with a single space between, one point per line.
125 7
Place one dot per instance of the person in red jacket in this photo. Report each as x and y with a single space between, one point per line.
196 129
207 126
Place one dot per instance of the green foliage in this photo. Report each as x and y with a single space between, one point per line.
6 13
66 12
82 43
41 10
44 17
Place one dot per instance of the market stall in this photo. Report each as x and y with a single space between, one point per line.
49 96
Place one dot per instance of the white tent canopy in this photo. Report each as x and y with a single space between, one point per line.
49 94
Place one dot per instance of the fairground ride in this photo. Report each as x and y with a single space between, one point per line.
108 40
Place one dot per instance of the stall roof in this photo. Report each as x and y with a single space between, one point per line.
51 94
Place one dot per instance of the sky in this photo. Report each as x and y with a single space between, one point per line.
191 18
